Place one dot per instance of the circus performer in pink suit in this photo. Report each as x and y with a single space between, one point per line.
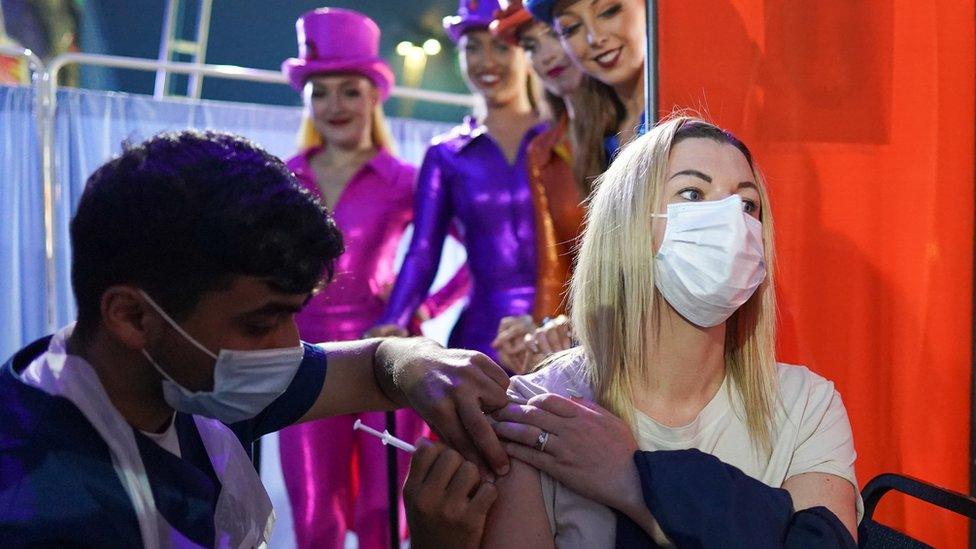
476 177
336 478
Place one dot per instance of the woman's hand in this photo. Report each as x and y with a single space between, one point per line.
553 336
521 345
588 449
510 343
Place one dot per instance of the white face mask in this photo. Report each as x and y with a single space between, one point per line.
245 382
711 260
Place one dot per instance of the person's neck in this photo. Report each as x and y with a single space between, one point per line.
686 369
517 112
631 95
346 155
572 102
132 385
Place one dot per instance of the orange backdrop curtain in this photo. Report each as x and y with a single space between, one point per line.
862 116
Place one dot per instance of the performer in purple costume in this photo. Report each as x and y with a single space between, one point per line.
476 176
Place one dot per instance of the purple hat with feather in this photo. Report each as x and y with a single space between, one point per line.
471 14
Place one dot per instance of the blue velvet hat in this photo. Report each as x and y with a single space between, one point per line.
540 9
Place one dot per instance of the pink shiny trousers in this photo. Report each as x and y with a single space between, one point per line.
337 479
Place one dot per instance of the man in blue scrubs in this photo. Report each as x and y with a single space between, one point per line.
192 253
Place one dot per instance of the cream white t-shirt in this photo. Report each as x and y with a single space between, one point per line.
811 434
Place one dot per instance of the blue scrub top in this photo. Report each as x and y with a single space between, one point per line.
57 483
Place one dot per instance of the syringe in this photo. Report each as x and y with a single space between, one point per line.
385 436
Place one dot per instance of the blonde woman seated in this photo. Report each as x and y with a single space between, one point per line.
700 437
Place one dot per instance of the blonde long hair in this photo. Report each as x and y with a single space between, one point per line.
379 131
615 307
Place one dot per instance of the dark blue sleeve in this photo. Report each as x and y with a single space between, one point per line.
58 487
297 399
699 501
817 527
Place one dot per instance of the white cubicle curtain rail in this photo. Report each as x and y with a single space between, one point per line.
46 85
33 61
232 72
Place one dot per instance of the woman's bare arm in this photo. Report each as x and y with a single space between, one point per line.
518 517
833 492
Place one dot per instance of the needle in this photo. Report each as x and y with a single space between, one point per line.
385 436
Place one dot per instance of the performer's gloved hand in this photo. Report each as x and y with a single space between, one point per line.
446 501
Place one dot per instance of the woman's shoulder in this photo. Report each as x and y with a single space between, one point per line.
565 375
397 169
300 165
457 137
300 161
799 381
807 398
549 136
390 157
407 169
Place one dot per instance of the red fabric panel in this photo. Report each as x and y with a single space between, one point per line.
862 116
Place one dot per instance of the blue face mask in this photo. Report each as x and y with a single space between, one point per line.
245 382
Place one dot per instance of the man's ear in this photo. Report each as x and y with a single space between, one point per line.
128 317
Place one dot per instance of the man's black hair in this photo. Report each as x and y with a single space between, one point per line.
184 213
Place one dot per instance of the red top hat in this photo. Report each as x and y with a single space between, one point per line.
509 20
335 40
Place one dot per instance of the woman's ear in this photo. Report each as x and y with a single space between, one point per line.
374 95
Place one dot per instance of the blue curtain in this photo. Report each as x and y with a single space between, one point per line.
90 127
22 301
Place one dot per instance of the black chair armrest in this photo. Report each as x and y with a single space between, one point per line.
919 489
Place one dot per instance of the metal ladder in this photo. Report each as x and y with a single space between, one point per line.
175 41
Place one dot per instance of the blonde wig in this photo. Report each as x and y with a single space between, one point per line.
615 306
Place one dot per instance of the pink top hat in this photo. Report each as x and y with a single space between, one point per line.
471 14
334 40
